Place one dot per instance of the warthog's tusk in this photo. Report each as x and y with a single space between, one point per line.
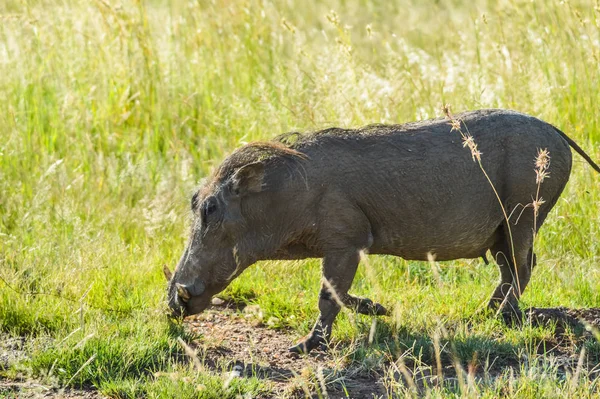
183 292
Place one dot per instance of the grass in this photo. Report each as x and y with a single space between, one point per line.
112 112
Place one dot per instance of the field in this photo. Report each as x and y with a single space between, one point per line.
112 113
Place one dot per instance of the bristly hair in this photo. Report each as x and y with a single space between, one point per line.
266 151
296 140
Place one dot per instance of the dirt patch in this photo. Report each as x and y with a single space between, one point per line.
33 390
12 350
573 328
239 342
587 320
234 340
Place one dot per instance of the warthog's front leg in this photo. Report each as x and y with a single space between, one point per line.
339 269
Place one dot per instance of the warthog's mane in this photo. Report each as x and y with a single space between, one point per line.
297 141
269 152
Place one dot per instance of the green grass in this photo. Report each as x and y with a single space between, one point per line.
112 112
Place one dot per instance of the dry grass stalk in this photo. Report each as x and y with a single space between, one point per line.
84 365
438 358
322 382
372 330
334 295
469 141
575 379
504 301
191 353
542 164
434 268
401 369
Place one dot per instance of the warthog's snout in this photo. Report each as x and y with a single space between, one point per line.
194 305
185 300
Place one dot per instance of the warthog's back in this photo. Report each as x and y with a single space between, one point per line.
420 188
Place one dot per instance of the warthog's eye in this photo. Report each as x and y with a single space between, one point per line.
208 207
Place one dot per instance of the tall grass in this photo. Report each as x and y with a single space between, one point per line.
112 112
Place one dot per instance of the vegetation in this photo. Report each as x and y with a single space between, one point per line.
113 112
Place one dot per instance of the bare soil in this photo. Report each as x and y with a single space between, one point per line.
12 351
588 319
240 342
33 390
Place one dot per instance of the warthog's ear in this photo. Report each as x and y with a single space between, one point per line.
248 179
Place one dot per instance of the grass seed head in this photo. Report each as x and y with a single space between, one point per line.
542 160
537 204
542 163
469 141
455 125
447 112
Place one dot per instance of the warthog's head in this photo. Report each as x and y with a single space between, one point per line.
231 219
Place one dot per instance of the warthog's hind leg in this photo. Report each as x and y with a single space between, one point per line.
514 277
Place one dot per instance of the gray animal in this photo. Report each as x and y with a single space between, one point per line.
406 190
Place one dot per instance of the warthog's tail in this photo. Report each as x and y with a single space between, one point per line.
577 148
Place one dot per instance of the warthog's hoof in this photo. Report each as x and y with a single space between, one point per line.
512 317
370 308
379 310
510 312
307 345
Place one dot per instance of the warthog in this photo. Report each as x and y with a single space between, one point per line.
406 190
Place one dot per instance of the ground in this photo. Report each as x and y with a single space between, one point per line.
237 339
231 337
33 390
12 350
